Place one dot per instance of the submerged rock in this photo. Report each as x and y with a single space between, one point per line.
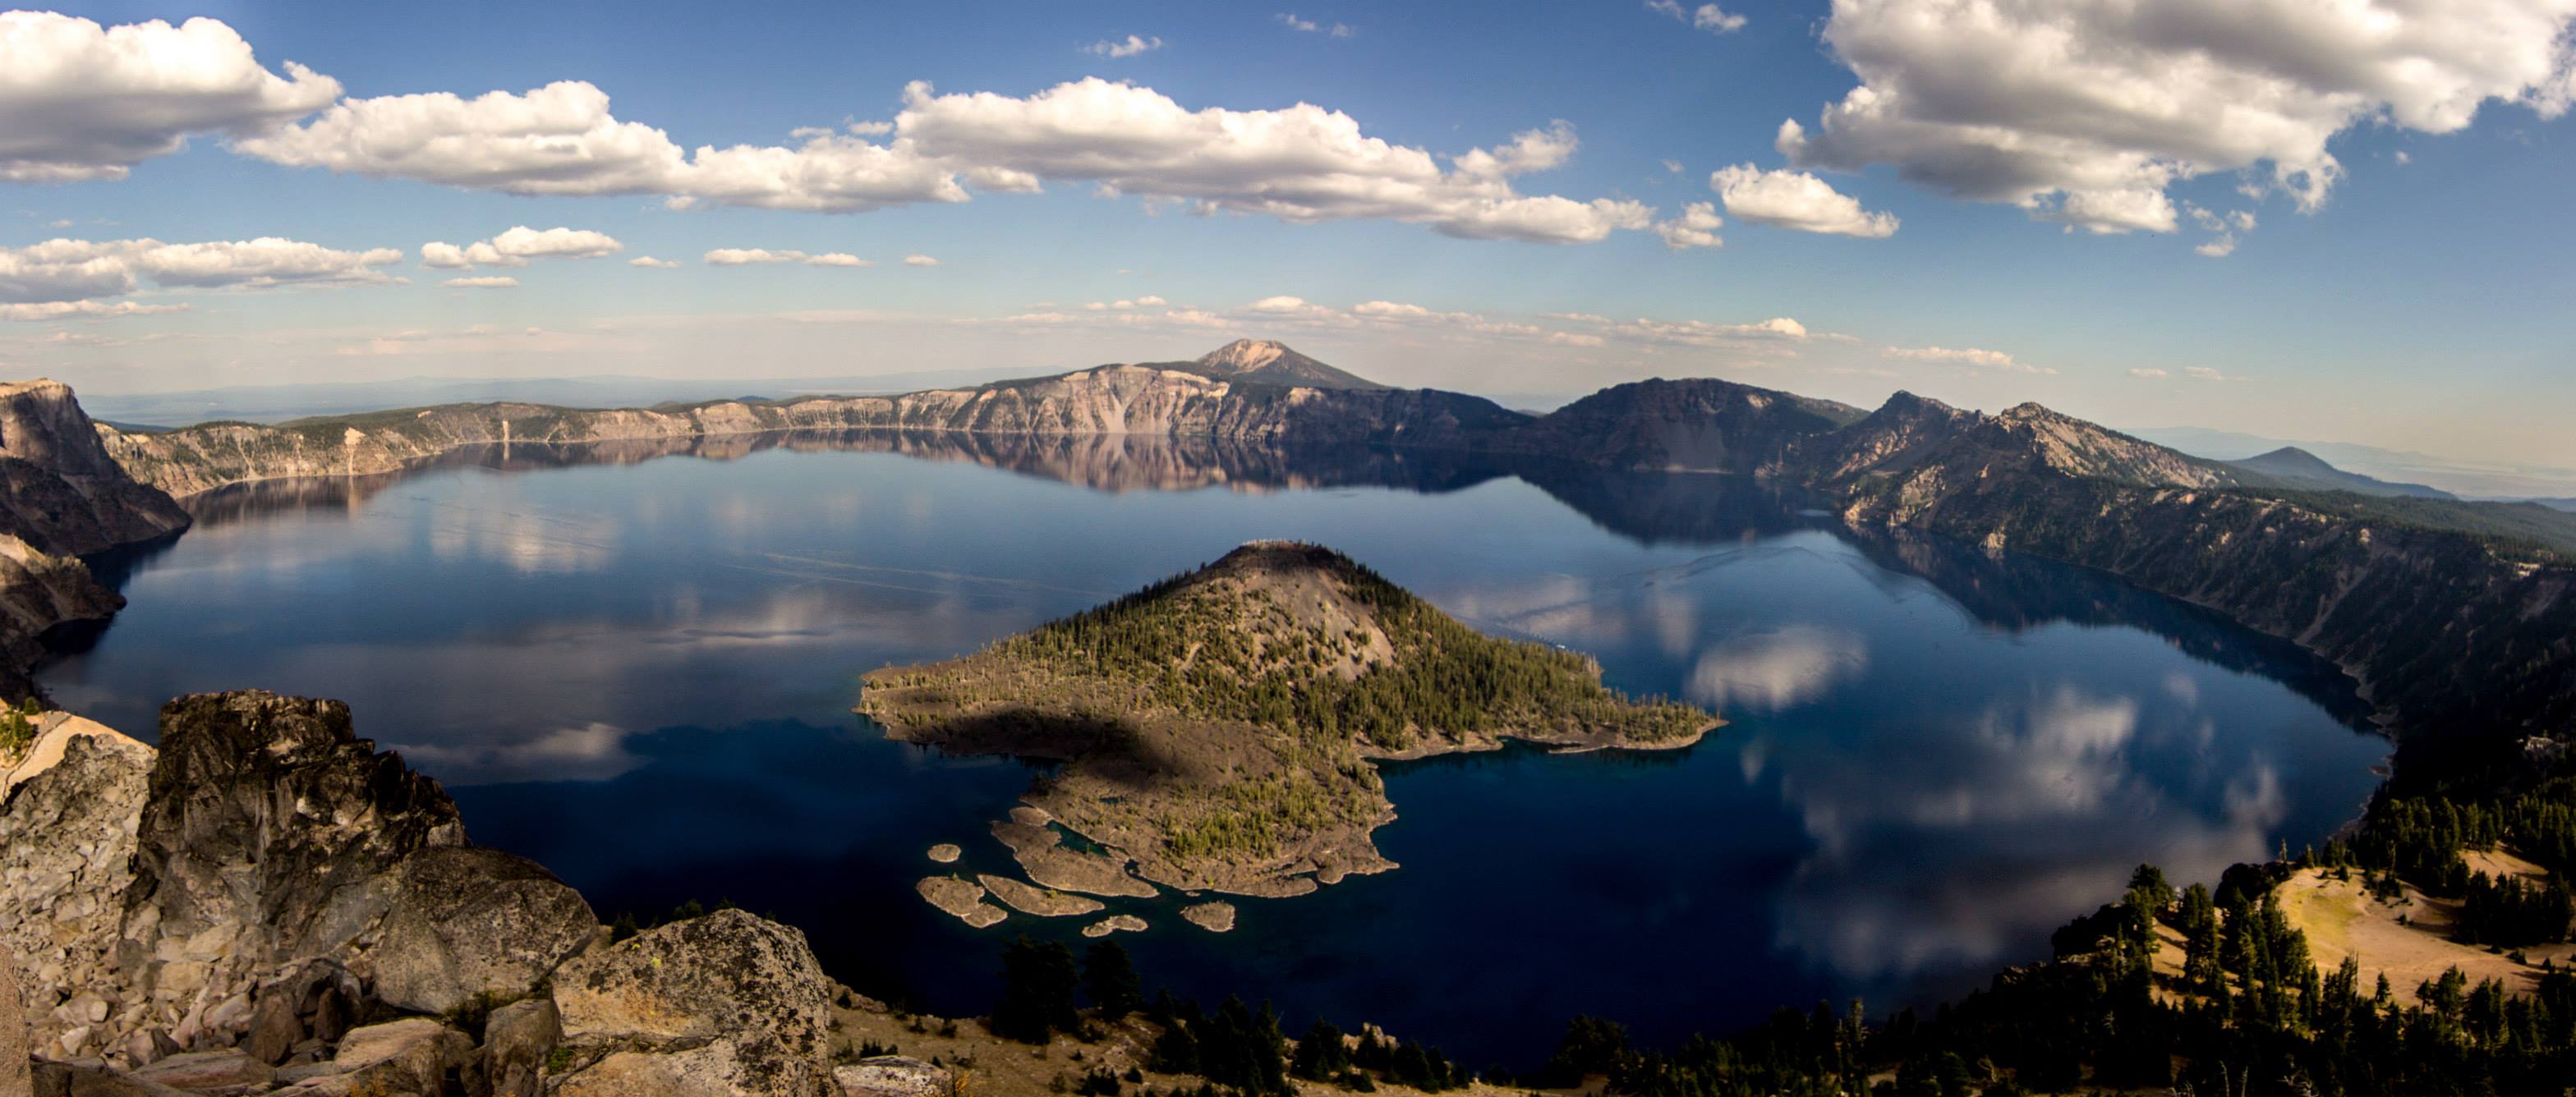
1042 854
946 853
1042 902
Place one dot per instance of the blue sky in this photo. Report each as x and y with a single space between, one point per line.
2418 301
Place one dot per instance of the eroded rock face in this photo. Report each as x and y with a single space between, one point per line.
726 1003
67 837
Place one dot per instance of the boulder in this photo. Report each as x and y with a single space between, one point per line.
891 1076
469 922
410 1056
53 1079
517 1038
725 1003
227 1071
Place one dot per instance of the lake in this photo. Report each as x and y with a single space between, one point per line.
635 665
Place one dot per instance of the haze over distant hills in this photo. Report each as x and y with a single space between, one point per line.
2297 467
2469 479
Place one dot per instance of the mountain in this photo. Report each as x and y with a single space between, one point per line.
2471 479
1262 362
2290 466
1181 401
1216 727
1700 424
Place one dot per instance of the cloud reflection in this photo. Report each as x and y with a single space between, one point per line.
1770 671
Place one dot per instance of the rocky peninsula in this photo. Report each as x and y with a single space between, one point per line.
1217 728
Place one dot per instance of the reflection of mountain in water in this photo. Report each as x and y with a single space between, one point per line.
2009 592
1104 462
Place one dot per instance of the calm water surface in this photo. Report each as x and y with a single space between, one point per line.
640 674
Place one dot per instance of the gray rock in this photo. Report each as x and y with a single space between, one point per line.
724 1003
14 1042
516 1040
891 1076
412 1055
53 1079
471 922
227 1070
274 1027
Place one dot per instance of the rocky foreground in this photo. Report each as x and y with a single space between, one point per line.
266 903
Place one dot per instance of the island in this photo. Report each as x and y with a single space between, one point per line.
1217 730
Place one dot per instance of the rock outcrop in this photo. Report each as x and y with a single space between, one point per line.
722 1004
267 902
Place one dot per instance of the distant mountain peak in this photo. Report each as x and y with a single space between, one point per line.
1266 362
2290 466
1244 354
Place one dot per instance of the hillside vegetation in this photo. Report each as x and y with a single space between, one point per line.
1219 725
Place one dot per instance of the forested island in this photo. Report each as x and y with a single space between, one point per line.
1217 728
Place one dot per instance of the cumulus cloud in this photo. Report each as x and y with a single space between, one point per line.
489 281
1129 48
1291 21
1707 17
81 101
1973 358
73 270
918 260
650 263
561 139
1796 200
1695 228
836 259
2150 373
518 246
1692 333
1301 163
2088 111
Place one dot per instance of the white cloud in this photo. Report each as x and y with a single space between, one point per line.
737 257
1707 17
489 281
73 270
2203 373
650 263
1129 48
918 260
1974 358
1150 300
2219 248
836 259
1301 163
1695 228
518 246
82 310
1796 200
81 101
1693 333
2150 373
2087 111
1309 26
561 139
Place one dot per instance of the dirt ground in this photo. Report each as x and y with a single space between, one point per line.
2341 919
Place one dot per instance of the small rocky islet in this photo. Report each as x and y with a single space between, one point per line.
1218 729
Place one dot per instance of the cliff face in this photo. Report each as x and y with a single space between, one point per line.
62 495
1109 400
2445 630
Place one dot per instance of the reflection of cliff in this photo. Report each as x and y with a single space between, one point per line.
1104 462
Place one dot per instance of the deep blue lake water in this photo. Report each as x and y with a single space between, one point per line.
639 674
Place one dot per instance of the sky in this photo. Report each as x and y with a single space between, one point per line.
2330 219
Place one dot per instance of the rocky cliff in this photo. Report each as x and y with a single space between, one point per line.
62 495
1178 400
266 901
